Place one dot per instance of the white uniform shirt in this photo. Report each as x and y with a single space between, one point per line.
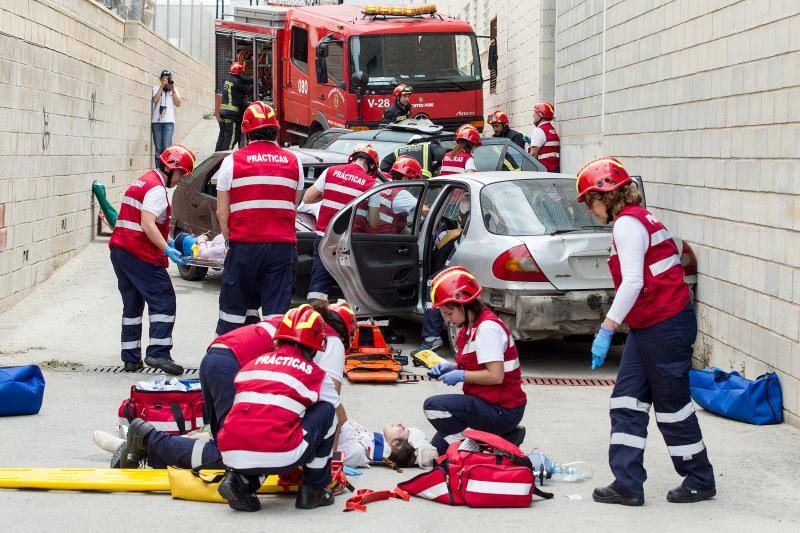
166 101
538 138
332 359
491 342
403 202
224 174
155 201
631 241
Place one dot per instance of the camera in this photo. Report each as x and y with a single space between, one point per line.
169 85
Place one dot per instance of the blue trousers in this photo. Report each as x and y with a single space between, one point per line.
255 274
321 280
319 428
217 372
432 321
450 414
139 283
655 370
162 136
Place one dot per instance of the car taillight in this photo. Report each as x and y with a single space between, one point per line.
688 260
517 264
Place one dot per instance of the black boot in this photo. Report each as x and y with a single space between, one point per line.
610 495
132 367
308 498
515 436
235 489
681 494
166 365
134 449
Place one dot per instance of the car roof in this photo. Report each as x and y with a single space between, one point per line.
485 178
309 156
390 135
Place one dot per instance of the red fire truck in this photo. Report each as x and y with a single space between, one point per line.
337 65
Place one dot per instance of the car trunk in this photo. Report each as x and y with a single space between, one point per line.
573 261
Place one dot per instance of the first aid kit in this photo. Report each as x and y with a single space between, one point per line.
175 410
21 390
484 470
733 396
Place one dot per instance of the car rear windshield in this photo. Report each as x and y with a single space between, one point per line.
535 207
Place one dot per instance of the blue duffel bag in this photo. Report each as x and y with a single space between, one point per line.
21 390
730 395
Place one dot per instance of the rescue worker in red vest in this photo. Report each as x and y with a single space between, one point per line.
226 355
487 364
459 160
401 108
258 189
387 211
283 417
336 187
499 122
545 145
139 253
653 299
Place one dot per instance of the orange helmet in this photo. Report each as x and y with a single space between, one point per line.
367 151
468 133
408 167
402 89
259 115
454 285
178 157
237 68
545 109
603 174
304 326
345 313
497 116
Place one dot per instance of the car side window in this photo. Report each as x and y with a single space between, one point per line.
514 158
391 211
450 225
202 169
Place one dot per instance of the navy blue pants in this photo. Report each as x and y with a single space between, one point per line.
450 414
319 428
139 283
432 321
655 370
255 274
321 280
217 371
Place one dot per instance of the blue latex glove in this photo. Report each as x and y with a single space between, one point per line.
171 243
175 256
452 378
348 471
441 368
600 346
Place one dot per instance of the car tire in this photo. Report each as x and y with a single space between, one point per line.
192 273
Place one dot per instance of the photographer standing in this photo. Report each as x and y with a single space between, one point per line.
165 99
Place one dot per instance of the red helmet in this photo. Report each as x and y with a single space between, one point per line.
343 310
177 157
545 109
603 174
497 116
454 285
402 89
408 167
467 132
237 68
365 151
304 326
259 115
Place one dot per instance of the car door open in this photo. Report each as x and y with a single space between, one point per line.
371 249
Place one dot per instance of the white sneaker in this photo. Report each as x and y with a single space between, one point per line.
106 441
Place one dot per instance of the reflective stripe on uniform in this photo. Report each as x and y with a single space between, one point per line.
130 345
253 312
269 328
262 204
510 366
343 189
162 318
333 205
552 143
629 402
268 375
678 416
548 154
659 237
276 400
127 224
241 459
686 451
317 462
665 264
234 319
431 414
456 170
317 296
626 439
160 342
132 202
263 180
131 321
197 453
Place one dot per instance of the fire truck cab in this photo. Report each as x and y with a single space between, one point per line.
337 65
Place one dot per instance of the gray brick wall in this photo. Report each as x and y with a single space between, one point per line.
700 98
75 84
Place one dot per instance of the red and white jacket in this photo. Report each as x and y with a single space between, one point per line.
507 394
389 222
263 193
248 342
664 292
343 184
128 233
263 429
455 164
550 153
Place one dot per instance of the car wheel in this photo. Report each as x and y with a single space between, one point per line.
192 273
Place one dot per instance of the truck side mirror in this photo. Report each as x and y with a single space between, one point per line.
492 61
322 49
359 80
322 70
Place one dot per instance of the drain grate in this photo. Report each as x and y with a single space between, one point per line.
118 370
529 380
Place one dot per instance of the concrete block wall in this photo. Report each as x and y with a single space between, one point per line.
75 87
701 99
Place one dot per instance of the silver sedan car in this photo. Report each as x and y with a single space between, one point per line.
538 254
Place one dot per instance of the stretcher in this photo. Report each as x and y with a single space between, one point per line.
206 263
370 359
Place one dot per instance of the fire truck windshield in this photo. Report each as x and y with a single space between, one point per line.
427 61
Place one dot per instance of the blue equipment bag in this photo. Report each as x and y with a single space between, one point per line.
21 390
730 395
